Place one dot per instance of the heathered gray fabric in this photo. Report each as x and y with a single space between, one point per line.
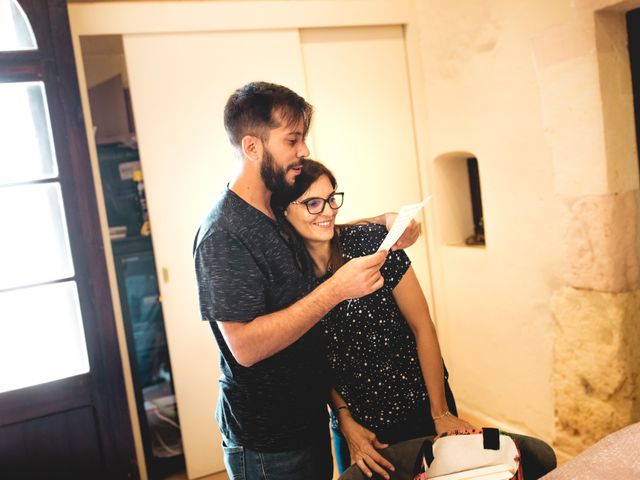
245 269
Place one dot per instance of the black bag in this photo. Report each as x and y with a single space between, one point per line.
485 453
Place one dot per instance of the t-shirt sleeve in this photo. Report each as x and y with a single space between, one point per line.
397 262
231 286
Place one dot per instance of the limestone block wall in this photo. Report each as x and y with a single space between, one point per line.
597 315
597 353
597 345
602 242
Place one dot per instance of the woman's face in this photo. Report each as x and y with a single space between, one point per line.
313 227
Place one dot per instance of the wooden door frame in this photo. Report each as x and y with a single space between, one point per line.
103 385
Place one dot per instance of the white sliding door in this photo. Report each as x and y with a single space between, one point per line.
358 80
179 85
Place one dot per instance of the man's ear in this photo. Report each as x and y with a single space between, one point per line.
251 148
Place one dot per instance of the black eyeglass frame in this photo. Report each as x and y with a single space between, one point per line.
325 201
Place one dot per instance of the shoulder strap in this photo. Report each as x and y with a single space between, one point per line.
195 241
425 456
491 438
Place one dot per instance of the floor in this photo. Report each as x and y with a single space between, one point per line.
215 476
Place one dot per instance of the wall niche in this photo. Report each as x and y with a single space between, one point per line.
459 200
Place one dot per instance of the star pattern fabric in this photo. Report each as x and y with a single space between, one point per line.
371 349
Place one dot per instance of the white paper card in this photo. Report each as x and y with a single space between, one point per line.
405 215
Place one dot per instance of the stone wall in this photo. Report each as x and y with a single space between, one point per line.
597 347
597 353
587 103
597 315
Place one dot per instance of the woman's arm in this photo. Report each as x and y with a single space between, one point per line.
414 308
363 443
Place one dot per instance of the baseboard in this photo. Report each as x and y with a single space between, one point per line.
479 419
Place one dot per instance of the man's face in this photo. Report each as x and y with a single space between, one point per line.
281 160
273 175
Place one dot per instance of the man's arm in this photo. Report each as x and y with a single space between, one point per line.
264 336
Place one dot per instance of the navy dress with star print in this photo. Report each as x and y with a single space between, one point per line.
371 348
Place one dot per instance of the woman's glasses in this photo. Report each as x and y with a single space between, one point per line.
315 205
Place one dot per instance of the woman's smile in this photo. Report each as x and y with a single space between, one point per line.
324 223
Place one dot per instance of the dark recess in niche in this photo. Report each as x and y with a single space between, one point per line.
476 203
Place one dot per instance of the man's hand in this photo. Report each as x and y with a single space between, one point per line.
359 276
363 447
409 236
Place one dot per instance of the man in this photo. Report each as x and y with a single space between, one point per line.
262 309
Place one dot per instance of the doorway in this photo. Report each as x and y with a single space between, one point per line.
123 189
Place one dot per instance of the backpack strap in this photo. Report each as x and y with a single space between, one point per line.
425 457
195 242
491 438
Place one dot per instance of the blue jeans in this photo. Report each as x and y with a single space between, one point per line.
309 463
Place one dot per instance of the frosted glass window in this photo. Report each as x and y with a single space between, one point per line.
26 143
41 335
34 245
15 30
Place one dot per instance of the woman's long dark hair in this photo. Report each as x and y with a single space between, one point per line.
311 172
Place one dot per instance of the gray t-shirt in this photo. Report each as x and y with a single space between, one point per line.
245 269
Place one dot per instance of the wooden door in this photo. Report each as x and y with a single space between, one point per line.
63 411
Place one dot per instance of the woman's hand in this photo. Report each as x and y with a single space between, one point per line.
450 422
363 447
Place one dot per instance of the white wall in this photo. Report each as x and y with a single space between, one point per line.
482 97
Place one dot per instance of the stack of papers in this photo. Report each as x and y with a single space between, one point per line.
493 472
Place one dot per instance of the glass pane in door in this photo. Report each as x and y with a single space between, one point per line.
149 354
41 335
15 30
34 245
26 144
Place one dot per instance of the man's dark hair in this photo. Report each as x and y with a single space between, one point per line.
250 111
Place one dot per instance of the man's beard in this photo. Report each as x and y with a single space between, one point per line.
273 176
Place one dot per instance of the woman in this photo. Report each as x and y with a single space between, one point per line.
389 379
